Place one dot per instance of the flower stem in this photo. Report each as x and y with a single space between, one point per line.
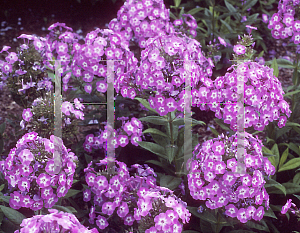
171 128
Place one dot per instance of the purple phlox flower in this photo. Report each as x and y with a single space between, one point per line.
287 206
43 119
5 48
239 49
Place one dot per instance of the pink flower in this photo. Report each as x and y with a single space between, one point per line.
101 222
239 49
242 215
27 114
43 180
67 107
25 156
286 207
11 58
259 213
123 210
162 222
128 220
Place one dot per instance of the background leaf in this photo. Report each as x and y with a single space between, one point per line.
13 215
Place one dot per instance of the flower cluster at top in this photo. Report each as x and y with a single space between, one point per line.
30 169
286 22
161 71
129 130
213 177
134 199
55 222
101 45
24 72
141 20
263 96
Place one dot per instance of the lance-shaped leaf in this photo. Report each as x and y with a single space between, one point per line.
154 148
13 215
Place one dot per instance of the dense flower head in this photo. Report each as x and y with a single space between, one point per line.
30 169
162 70
90 63
263 96
286 22
133 196
141 19
214 176
55 222
130 131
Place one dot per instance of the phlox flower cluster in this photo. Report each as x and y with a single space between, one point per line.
136 200
101 45
286 22
60 45
141 20
55 222
263 97
213 177
186 24
24 70
162 71
41 114
29 169
129 131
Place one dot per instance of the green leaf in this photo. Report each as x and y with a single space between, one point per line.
275 152
154 148
261 225
230 7
283 157
177 3
2 128
274 65
72 192
155 131
270 213
291 188
291 93
282 131
205 215
146 104
294 148
171 151
297 196
214 131
273 183
194 11
5 198
284 63
226 25
157 120
64 209
180 121
221 124
2 187
291 164
249 4
171 15
296 179
13 215
170 182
